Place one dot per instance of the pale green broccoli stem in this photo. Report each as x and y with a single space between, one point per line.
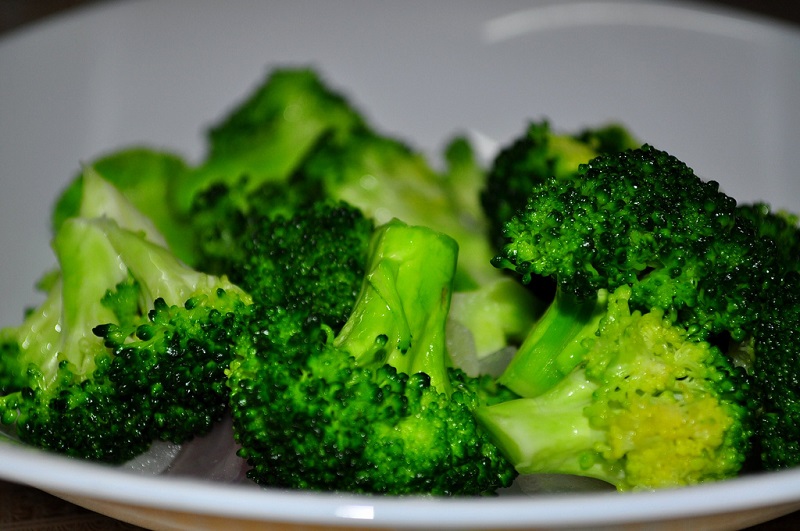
39 335
556 345
100 198
551 433
158 271
400 315
90 266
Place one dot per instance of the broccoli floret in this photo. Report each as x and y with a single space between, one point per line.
775 372
375 407
311 263
539 154
130 346
297 139
781 226
267 135
646 407
640 218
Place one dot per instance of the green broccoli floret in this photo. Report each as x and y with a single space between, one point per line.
782 226
537 155
640 218
311 264
375 407
647 407
775 372
267 135
131 345
297 139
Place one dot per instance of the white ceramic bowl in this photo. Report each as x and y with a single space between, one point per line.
717 89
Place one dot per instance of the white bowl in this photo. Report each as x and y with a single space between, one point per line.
717 89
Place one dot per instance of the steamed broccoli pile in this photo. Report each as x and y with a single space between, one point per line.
583 304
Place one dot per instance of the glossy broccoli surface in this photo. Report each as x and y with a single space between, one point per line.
538 154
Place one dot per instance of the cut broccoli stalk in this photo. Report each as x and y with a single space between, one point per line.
556 344
406 297
645 408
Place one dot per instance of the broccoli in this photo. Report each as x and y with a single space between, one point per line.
771 356
311 263
375 407
536 155
267 135
295 141
640 218
130 345
775 362
780 226
646 407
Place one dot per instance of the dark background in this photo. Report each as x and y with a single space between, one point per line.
26 509
14 13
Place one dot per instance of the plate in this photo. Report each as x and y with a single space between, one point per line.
718 89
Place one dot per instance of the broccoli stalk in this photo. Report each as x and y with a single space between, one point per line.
555 345
646 407
375 408
405 298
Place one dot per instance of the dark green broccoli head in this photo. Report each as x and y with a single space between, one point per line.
779 225
775 373
374 408
643 218
224 216
328 424
312 262
539 154
184 395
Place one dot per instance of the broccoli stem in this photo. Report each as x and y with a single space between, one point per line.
90 266
550 433
556 344
159 272
400 314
